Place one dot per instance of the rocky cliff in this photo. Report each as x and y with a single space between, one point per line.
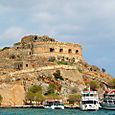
36 59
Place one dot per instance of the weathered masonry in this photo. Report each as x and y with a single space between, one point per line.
48 46
35 51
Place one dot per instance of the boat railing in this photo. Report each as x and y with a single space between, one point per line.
90 97
88 92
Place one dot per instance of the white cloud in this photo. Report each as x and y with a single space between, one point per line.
12 32
11 35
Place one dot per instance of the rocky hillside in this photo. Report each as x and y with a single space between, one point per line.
21 67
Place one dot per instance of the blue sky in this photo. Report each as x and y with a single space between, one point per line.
88 22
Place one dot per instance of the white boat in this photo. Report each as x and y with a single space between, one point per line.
109 100
89 100
54 105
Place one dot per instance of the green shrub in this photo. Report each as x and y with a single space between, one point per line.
113 82
0 49
51 59
39 97
34 94
51 89
5 48
1 98
57 75
53 96
62 63
74 98
80 70
18 43
94 85
95 68
35 89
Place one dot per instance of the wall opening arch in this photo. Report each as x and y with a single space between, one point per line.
69 51
77 51
52 49
35 38
61 50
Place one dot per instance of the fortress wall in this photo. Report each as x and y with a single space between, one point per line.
20 52
77 57
66 67
55 47
44 57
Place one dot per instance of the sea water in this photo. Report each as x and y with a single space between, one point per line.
31 111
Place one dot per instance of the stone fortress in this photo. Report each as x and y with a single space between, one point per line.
33 51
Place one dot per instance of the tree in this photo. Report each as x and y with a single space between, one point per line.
34 94
94 85
74 90
94 68
74 98
53 96
113 82
35 89
57 75
18 43
39 97
51 89
51 59
103 70
1 98
30 96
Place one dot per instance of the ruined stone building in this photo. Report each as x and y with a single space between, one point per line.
35 51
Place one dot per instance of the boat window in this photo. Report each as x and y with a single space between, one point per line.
91 94
109 101
94 102
85 95
105 101
89 102
49 103
56 103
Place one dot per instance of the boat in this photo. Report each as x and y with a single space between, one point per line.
89 100
55 104
109 100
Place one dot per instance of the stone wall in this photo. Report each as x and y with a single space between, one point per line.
34 51
36 38
58 48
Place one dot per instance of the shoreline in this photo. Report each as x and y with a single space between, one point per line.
37 107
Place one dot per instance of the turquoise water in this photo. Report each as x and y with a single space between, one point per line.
53 112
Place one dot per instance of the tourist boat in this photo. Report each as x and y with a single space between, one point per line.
89 100
109 100
55 104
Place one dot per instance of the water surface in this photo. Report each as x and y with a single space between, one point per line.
32 111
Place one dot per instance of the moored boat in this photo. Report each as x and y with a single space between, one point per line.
89 100
109 100
55 104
